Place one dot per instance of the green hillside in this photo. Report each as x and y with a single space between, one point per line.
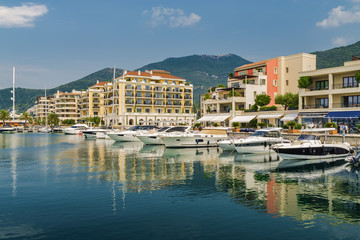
25 98
203 71
337 56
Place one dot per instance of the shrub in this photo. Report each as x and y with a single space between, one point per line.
304 82
261 124
235 124
268 108
330 125
291 124
215 124
298 126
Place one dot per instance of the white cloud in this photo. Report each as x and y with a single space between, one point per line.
21 16
339 16
340 41
172 17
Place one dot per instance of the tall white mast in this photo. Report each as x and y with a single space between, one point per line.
13 92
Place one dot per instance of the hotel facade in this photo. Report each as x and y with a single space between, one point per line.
150 97
334 95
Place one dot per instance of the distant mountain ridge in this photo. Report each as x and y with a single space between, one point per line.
203 71
336 56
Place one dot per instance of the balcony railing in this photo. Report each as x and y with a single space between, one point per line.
340 86
346 105
314 106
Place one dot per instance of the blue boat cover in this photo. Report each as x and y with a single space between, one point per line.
344 114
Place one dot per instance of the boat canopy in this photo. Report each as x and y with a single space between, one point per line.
214 118
290 117
343 114
243 118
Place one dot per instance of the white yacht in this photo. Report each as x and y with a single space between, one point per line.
208 137
75 129
308 149
259 142
45 130
7 129
155 138
130 134
95 133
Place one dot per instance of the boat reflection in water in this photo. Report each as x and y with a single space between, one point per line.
132 179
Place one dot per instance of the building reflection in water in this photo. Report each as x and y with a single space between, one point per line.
332 193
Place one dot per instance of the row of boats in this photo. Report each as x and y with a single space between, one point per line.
308 146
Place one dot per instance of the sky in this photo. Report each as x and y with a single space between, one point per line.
52 42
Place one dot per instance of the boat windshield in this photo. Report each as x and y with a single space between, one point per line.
259 134
143 127
177 129
163 129
308 137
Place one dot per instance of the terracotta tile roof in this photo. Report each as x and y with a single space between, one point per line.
159 73
250 65
100 84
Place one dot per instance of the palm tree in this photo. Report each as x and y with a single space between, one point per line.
25 116
4 115
53 119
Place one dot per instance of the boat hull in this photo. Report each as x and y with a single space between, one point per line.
191 141
151 139
120 137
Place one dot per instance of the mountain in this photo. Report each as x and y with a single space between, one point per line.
203 71
337 56
25 98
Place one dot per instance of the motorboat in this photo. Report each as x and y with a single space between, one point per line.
57 130
208 137
155 138
309 149
130 134
45 130
7 129
75 129
95 133
259 142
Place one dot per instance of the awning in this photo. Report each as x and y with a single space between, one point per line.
243 118
267 116
290 117
205 119
220 118
344 114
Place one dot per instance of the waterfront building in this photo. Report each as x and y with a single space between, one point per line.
333 95
150 97
272 77
91 101
44 105
66 105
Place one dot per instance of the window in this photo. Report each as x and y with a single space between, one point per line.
351 101
147 110
321 103
349 82
187 110
263 81
320 85
159 110
287 82
169 110
275 70
129 110
287 70
274 82
139 110
177 110
235 84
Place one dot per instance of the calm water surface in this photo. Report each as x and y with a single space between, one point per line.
64 187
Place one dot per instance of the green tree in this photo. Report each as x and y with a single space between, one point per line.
304 82
262 100
232 93
53 119
221 86
207 96
231 75
26 117
357 76
288 100
4 115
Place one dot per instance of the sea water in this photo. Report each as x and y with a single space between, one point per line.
54 186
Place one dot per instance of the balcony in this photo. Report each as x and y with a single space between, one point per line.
341 86
346 105
314 106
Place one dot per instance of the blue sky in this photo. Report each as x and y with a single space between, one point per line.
52 42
